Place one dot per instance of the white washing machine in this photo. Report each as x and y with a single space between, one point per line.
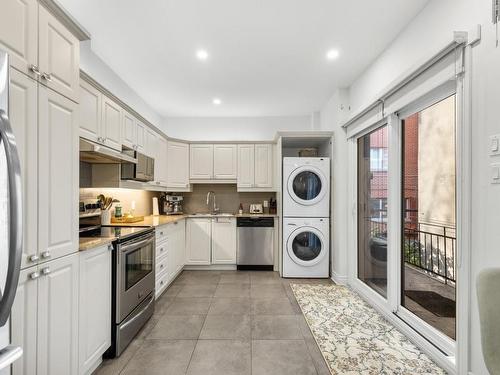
306 187
306 247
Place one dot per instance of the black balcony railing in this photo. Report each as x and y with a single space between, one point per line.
431 248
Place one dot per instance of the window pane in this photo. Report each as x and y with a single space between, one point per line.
428 217
372 210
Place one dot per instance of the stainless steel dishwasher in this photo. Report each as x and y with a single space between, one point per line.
255 243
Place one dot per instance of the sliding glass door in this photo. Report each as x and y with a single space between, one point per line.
428 216
372 150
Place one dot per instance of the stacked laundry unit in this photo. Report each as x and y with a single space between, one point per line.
306 217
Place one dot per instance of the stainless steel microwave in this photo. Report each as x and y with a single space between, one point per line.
143 171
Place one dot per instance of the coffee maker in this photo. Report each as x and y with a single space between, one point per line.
172 205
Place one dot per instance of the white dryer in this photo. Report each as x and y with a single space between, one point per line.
306 187
306 247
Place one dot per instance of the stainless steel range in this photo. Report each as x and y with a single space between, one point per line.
133 287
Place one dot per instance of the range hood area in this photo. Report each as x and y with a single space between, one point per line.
94 153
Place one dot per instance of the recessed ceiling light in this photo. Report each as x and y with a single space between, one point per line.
201 54
332 54
216 101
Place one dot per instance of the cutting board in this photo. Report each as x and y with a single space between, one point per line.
126 220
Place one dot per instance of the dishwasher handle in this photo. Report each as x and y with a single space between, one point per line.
255 222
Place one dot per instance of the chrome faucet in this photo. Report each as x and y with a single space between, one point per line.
215 209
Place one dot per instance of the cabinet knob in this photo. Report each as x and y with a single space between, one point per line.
34 275
46 254
34 258
34 69
46 271
161 265
47 76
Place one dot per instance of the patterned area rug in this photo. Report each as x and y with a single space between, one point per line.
356 339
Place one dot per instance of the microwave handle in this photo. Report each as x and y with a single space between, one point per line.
15 217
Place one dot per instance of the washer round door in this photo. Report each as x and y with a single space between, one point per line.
306 246
307 185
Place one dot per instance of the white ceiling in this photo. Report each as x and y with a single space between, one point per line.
267 57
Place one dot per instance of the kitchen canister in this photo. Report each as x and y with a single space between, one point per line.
105 217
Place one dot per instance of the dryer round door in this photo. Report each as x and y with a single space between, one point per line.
307 185
306 246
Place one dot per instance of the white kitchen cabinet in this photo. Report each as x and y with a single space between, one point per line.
90 112
23 113
58 175
255 167
129 130
264 166
180 245
94 307
141 136
161 173
19 34
177 166
198 241
151 147
59 55
224 241
57 331
111 123
201 161
225 162
24 322
246 166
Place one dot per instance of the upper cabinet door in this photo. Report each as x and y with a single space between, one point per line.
161 162
59 56
201 162
57 175
89 113
111 123
23 113
58 317
246 166
141 136
263 165
19 34
151 144
178 165
129 130
225 162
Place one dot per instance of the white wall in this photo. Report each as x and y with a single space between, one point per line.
334 112
91 64
232 128
431 29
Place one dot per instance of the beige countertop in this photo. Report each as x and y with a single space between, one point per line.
152 221
92 243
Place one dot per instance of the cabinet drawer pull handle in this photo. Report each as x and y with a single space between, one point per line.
46 271
47 76
34 275
161 266
34 258
46 254
161 282
35 69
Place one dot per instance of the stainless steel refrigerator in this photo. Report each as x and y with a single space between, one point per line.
11 231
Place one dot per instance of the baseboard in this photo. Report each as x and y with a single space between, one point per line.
212 267
338 279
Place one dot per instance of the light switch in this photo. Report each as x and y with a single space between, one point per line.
495 173
495 145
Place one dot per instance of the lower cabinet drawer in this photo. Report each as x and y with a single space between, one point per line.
161 250
161 283
161 234
161 264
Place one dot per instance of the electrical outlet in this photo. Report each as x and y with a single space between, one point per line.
495 173
495 145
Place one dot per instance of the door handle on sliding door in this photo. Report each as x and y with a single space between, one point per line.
8 141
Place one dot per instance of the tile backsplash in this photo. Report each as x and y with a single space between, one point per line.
226 196
143 199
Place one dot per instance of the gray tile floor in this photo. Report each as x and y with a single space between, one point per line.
227 322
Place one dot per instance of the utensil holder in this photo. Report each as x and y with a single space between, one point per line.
105 217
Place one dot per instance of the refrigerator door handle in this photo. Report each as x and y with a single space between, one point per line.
9 354
8 141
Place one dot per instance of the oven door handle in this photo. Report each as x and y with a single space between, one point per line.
136 245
